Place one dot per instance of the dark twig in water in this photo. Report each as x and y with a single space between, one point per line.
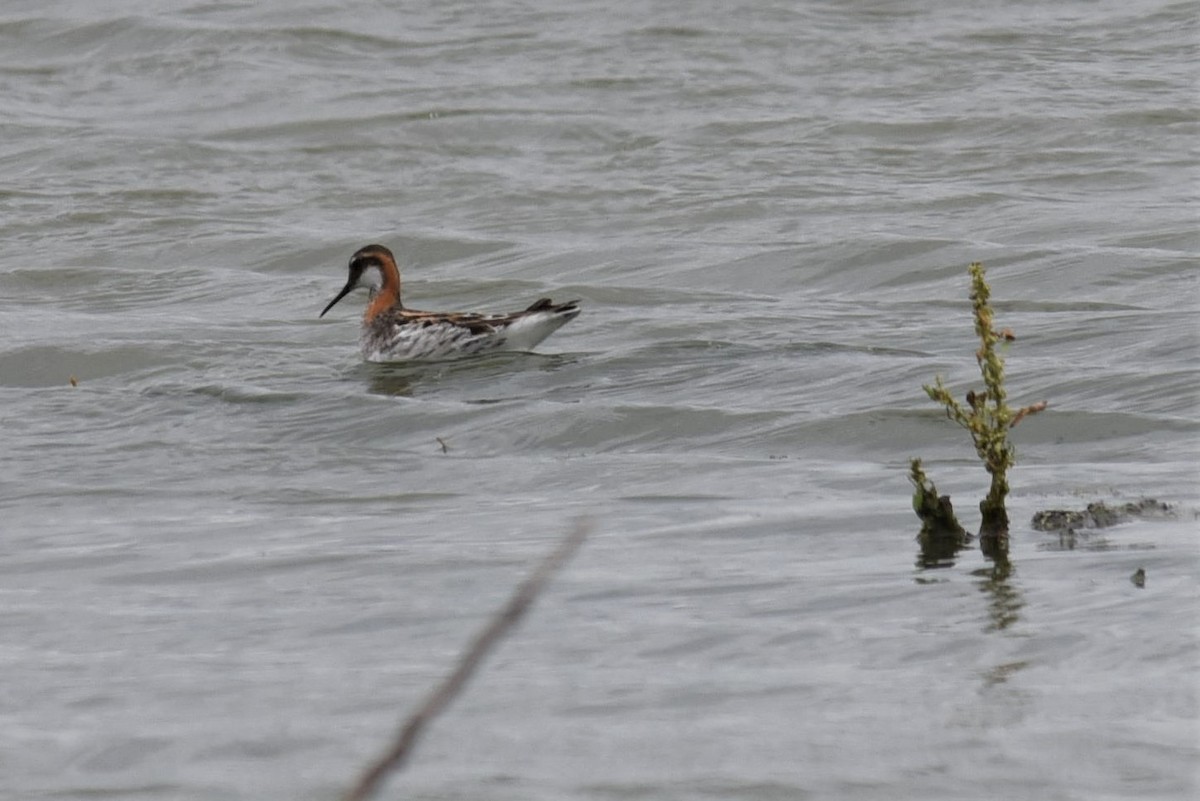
443 694
442 442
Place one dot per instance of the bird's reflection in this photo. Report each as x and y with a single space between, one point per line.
404 379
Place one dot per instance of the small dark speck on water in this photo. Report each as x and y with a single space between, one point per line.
1138 578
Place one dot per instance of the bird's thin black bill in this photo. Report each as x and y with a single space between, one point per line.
345 291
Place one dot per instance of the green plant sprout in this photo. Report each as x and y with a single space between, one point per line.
987 416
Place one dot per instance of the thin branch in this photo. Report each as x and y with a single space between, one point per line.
1024 412
442 695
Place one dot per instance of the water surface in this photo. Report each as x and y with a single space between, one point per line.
234 556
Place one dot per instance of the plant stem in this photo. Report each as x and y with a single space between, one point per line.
987 415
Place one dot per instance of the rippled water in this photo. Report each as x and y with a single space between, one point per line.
234 556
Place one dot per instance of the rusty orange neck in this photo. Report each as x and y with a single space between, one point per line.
388 294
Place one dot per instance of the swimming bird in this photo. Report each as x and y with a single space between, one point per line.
392 333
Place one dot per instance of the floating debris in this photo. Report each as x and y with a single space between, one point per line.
1138 578
74 381
1100 515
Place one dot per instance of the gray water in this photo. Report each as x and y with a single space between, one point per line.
233 556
